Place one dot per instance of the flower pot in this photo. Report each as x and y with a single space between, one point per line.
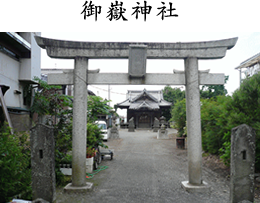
180 142
89 165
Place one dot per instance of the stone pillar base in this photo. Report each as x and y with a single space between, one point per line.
113 134
155 129
162 135
72 189
204 187
131 129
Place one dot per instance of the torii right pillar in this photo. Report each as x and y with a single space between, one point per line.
195 183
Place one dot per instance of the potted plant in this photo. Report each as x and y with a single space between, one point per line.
89 159
90 152
180 140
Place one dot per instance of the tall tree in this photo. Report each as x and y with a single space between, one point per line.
172 95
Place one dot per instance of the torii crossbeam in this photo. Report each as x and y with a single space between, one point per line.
137 53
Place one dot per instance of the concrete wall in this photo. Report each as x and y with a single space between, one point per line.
21 122
9 75
17 72
31 67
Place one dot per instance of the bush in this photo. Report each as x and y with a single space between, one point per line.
171 95
214 123
15 160
221 115
179 116
63 142
94 136
245 108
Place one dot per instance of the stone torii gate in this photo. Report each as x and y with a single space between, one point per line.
137 53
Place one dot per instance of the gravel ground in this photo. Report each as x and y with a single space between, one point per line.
145 169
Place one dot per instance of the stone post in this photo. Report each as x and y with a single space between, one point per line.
131 126
162 133
43 162
114 134
242 164
79 122
156 125
194 145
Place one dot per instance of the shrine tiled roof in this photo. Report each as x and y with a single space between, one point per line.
151 100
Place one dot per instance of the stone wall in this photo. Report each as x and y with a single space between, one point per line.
21 122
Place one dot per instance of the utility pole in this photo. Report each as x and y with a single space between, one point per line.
109 95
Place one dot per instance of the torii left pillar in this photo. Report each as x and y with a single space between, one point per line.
195 182
79 142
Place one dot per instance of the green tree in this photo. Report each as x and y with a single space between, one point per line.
214 122
97 106
49 100
222 113
172 95
245 108
178 113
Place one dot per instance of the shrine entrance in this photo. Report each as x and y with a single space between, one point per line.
144 120
137 53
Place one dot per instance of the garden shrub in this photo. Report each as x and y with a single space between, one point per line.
221 115
171 95
214 123
245 108
15 164
179 116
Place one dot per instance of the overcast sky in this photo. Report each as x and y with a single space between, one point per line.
248 45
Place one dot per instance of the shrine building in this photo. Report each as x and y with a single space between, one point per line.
144 106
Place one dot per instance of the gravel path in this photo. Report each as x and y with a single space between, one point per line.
145 169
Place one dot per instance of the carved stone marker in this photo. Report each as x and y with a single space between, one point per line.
114 134
242 164
43 162
156 125
131 126
162 133
137 60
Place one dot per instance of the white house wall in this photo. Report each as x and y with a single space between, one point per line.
31 67
9 75
249 71
16 73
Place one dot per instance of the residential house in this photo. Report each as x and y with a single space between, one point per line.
20 62
249 67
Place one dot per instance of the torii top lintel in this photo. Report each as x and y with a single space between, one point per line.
97 50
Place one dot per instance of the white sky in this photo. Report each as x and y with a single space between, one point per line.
248 44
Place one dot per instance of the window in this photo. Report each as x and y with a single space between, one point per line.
8 52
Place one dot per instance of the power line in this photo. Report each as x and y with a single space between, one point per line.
105 90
